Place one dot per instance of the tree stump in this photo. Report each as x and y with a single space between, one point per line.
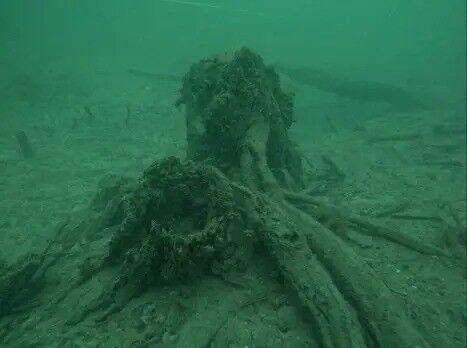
244 182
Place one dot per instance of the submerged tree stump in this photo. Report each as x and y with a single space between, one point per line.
237 119
244 182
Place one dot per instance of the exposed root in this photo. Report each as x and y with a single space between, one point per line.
327 213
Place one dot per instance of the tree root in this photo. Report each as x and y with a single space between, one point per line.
328 213
347 302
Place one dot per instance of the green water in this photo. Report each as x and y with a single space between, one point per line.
89 88
385 40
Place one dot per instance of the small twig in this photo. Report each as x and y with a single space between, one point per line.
447 148
252 299
128 115
333 168
393 210
307 160
454 215
398 155
449 163
91 115
229 282
331 123
415 217
317 190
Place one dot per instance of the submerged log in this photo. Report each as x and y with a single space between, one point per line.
155 76
365 91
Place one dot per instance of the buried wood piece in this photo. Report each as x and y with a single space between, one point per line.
25 146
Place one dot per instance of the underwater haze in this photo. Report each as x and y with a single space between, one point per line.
386 40
332 136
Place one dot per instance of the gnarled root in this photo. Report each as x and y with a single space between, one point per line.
349 304
328 214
